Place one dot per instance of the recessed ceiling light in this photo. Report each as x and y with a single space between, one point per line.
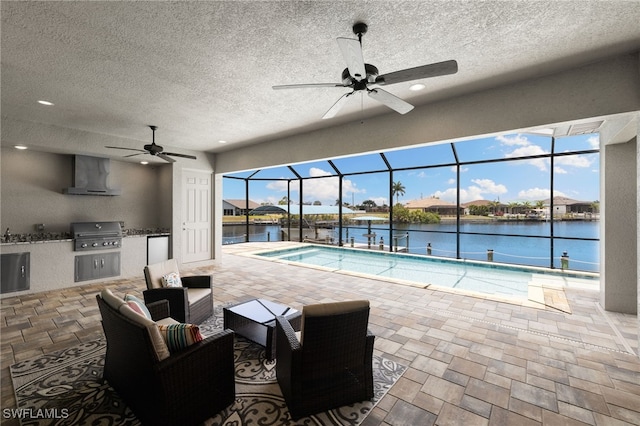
416 87
20 147
222 141
144 162
45 103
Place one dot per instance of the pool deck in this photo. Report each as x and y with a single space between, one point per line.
471 360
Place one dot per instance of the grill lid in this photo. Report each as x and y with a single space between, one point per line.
81 230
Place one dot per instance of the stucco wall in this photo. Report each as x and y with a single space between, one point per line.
32 184
618 272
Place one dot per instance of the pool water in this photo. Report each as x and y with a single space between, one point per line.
485 278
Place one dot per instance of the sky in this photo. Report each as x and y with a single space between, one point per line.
575 176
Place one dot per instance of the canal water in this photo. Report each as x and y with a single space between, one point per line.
440 239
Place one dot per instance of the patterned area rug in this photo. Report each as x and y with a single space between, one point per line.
64 388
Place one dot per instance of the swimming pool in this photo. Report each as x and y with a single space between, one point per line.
486 278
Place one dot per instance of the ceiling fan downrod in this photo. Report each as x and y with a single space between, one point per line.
360 29
153 137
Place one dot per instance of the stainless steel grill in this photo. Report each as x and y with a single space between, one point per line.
96 235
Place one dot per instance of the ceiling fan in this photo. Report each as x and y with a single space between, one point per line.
154 149
358 75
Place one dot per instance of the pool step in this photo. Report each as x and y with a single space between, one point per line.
290 254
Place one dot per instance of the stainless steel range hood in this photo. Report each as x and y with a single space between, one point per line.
90 177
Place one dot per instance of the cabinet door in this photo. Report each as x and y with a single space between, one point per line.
94 266
14 269
109 264
86 267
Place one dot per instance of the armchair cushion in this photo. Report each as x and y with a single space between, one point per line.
111 299
154 273
179 336
159 345
196 294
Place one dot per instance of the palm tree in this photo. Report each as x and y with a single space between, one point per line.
493 205
397 189
513 206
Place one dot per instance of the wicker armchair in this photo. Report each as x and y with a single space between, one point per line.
192 303
331 365
162 388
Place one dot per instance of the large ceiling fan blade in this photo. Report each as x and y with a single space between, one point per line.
352 54
180 155
165 158
128 149
337 106
417 73
307 86
134 155
392 101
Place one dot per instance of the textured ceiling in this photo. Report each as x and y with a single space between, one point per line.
203 71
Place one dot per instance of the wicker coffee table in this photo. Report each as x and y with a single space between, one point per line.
256 320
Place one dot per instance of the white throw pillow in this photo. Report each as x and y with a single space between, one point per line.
172 280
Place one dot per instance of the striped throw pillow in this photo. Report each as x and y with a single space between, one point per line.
137 305
179 336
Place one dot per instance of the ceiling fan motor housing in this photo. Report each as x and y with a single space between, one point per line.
153 148
372 73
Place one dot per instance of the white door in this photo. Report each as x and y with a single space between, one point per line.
196 216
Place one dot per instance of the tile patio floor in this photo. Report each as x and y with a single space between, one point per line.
472 361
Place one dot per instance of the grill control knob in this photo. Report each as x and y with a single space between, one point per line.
94 245
106 243
83 245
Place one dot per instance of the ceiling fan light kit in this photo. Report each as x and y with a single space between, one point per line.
358 76
154 149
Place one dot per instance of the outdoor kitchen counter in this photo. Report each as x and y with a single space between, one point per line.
19 242
61 237
52 262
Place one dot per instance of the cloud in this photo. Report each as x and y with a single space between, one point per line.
594 141
277 185
469 194
448 194
560 170
478 191
454 169
525 151
574 161
323 189
488 186
538 194
514 140
451 181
